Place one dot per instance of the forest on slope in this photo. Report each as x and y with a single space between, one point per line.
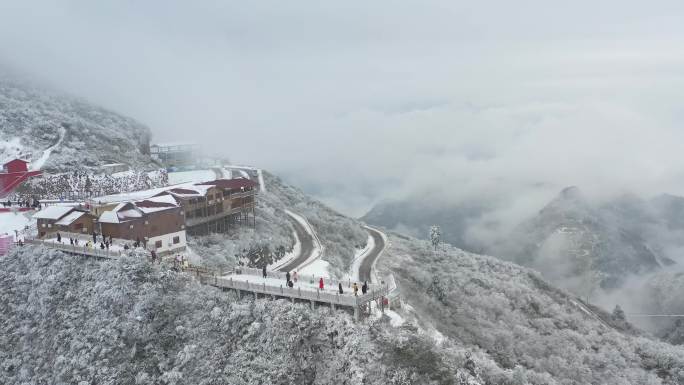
33 119
515 321
70 320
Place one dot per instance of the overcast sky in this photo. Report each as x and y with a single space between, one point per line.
370 100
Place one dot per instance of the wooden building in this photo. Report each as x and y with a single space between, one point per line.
214 206
157 222
217 205
64 219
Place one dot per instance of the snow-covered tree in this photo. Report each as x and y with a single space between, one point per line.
435 235
618 314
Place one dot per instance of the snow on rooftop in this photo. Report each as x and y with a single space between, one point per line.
70 218
159 203
200 188
52 212
109 217
163 199
129 214
132 196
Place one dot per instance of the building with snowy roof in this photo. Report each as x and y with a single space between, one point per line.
208 207
216 205
157 222
65 219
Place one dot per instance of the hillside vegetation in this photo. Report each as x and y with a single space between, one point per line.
514 321
33 119
69 320
340 236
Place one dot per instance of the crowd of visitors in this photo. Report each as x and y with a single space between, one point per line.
291 279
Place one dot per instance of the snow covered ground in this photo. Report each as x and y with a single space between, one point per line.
304 282
38 164
318 268
191 176
9 222
262 184
395 319
116 246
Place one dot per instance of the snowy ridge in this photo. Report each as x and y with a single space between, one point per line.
58 132
262 184
317 246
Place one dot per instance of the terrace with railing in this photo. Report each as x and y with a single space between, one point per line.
251 281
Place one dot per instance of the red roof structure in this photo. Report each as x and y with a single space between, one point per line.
16 165
152 204
15 173
183 191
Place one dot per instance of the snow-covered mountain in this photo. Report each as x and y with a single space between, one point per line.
572 240
73 321
60 133
518 327
340 236
575 241
464 319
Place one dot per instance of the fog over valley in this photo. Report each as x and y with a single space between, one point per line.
511 101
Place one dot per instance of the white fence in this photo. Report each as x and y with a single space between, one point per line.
311 278
77 249
315 295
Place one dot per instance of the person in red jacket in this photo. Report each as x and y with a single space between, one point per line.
320 283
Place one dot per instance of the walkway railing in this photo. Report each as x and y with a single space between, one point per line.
208 277
311 278
77 249
310 294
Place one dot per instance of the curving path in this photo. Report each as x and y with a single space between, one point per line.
307 245
369 259
38 163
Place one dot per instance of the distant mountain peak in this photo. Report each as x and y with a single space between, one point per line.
570 201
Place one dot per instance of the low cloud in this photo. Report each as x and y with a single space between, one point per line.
363 102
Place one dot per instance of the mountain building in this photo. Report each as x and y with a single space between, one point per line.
157 222
64 219
217 205
174 154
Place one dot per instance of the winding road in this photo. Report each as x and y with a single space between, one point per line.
307 246
370 258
